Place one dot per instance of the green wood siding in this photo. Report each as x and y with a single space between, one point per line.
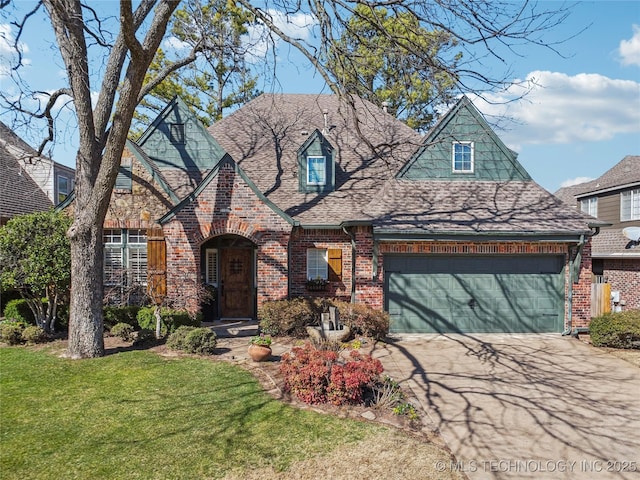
197 151
439 294
492 159
316 145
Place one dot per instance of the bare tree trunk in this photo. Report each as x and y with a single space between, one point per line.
86 335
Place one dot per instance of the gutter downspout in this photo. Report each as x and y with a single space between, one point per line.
572 268
353 263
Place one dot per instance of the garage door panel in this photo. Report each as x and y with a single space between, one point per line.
478 294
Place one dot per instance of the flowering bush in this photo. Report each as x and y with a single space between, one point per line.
320 376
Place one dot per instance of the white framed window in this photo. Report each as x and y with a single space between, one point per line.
125 257
462 157
211 266
317 264
630 205
64 186
316 170
589 206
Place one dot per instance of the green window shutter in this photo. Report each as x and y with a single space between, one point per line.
123 180
335 264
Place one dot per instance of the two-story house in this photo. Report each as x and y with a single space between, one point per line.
614 198
296 195
29 182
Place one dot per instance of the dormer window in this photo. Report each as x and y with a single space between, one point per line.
316 170
463 157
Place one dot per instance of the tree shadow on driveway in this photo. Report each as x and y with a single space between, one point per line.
512 406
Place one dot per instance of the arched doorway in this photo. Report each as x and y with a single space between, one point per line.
228 269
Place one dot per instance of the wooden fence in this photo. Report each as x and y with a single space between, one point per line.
600 299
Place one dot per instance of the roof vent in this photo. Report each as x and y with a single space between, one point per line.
304 133
385 106
325 114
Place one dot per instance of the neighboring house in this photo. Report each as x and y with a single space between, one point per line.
613 198
29 182
286 197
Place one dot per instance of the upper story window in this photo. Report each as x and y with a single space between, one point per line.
630 205
589 206
124 179
64 186
176 133
463 157
316 170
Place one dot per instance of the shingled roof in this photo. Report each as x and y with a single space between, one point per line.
473 207
624 173
263 138
19 193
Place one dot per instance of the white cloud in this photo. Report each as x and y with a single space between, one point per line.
175 44
630 49
297 26
562 109
8 54
575 181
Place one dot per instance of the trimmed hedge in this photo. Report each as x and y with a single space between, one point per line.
291 317
616 329
198 340
171 320
11 332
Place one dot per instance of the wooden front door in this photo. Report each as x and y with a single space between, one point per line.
236 283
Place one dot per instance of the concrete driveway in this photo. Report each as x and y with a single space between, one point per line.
524 406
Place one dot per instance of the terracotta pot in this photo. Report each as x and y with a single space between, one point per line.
259 353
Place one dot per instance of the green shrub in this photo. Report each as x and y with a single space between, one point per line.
171 320
176 340
199 340
363 320
291 317
18 311
11 332
617 330
34 334
127 314
123 330
144 337
288 317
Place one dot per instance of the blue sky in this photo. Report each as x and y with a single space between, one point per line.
581 117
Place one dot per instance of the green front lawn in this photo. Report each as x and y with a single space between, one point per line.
139 415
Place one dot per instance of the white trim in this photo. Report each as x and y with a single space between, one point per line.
471 145
324 161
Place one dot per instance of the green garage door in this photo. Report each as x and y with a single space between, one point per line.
437 294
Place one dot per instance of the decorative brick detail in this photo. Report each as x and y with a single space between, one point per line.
227 206
624 277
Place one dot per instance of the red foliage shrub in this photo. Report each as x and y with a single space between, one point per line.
319 376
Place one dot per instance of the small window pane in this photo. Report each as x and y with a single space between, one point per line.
113 265
211 267
137 236
462 157
112 236
589 206
317 264
316 170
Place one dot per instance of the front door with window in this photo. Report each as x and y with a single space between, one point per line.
236 283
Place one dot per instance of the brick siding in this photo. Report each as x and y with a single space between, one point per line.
624 276
227 206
